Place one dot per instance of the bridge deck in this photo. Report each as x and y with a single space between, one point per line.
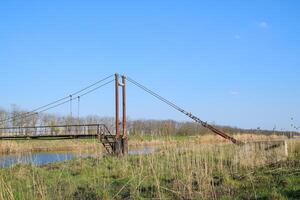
69 136
58 131
99 131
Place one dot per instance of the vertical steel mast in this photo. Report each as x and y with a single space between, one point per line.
121 143
118 142
124 137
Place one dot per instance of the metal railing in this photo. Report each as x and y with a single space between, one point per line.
56 130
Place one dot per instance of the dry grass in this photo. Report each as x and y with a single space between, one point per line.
23 146
203 139
12 147
181 171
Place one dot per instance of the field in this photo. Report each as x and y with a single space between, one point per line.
179 169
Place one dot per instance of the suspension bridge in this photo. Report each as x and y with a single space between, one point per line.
114 143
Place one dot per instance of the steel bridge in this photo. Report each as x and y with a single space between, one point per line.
116 143
98 131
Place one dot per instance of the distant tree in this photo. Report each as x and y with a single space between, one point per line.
3 116
139 127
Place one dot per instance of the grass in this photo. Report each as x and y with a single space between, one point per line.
181 171
42 145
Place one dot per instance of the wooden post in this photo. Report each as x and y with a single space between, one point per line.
124 138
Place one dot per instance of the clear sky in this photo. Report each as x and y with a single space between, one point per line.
230 62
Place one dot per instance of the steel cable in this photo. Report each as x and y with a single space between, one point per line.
196 119
161 98
57 102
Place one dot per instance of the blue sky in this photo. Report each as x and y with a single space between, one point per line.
229 62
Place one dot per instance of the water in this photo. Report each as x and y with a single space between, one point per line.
42 158
35 158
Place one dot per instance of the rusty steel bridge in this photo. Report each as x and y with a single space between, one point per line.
97 131
114 143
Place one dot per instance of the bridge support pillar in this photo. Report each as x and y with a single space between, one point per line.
118 147
124 136
121 143
118 142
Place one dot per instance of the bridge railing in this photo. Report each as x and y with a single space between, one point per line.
57 130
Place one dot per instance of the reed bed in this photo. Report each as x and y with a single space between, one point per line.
27 146
181 171
24 146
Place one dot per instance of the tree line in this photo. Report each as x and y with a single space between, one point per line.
137 127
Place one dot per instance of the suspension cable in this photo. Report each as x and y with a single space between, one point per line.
189 114
64 102
159 97
92 90
52 103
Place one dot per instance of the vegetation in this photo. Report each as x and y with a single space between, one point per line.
183 171
135 127
43 145
188 164
135 140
